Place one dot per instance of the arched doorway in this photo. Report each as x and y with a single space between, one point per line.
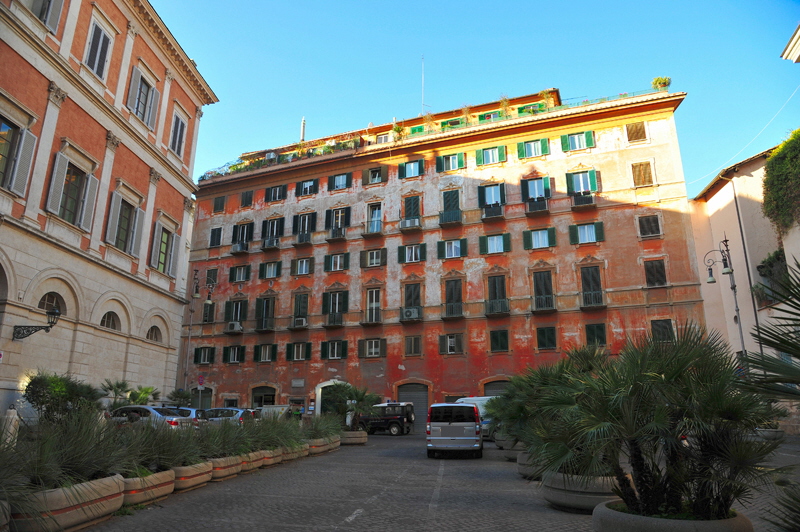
319 394
202 398
418 394
494 387
263 396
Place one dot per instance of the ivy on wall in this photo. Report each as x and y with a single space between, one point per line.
782 184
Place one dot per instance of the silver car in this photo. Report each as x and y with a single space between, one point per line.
454 427
150 414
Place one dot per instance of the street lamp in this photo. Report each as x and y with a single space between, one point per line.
23 331
724 258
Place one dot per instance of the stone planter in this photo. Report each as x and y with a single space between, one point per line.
577 494
5 516
225 467
251 461
606 520
140 490
335 442
77 505
192 476
770 434
272 457
295 452
499 440
318 446
510 453
525 468
354 437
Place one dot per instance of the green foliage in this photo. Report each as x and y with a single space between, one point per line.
150 449
323 426
785 515
142 395
180 397
342 399
661 82
273 432
53 395
782 184
225 439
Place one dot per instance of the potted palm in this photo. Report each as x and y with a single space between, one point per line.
149 476
348 403
321 433
222 445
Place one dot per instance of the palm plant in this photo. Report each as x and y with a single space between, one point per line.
143 395
180 397
348 401
118 391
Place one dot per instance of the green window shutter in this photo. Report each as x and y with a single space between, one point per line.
442 344
384 256
349 179
228 310
462 163
573 234
323 351
421 167
502 193
345 301
344 349
273 352
527 239
521 150
308 350
257 353
501 153
289 351
316 186
384 173
197 355
551 236
230 274
483 245
278 269
365 176
226 354
506 241
311 265
259 310
244 311
423 252
565 143
262 270
450 200
589 138
401 171
326 302
481 196
545 146
599 232
523 185
439 163
247 273
326 263
546 183
346 265
363 258
383 347
440 249
401 254
479 157
362 348
293 267
593 180
570 184
330 182
211 355
463 247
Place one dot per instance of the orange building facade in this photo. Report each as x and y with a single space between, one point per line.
432 259
99 115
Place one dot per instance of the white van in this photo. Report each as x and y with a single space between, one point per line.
454 427
480 402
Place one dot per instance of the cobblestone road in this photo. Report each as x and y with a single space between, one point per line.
387 485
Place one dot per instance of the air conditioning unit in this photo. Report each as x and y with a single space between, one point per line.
239 247
233 327
412 222
300 322
411 313
269 242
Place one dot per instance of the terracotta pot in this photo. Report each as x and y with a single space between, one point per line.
225 467
354 437
574 493
525 468
69 507
607 520
192 476
510 453
318 446
252 461
272 457
144 489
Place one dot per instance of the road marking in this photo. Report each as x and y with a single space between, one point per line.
354 515
435 497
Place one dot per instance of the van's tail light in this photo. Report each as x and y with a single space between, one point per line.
172 422
478 425
428 424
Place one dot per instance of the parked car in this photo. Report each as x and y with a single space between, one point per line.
150 414
231 415
395 418
454 427
486 422
197 415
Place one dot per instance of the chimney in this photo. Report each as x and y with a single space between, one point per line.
303 130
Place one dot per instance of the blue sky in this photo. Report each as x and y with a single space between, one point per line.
345 64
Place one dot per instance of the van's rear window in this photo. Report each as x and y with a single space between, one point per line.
453 414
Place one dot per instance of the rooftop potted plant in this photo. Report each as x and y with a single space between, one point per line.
661 83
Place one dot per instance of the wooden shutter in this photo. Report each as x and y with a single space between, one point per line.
362 348
295 224
421 166
551 236
523 185
479 157
401 171
463 247
173 255
346 260
154 249
383 347
312 222
344 349
308 351
328 219
262 273
565 143
483 245
450 200
23 160
365 176
452 291
53 15
440 163
423 252
501 154
481 196
589 138
460 157
152 108
412 208
599 233
506 241
113 218
135 243
442 344
570 183
257 353
136 78
521 150
441 249
57 183
362 257
211 355
573 234
545 146
289 351
527 239
197 355
546 183
326 263
326 302
330 182
384 256
323 351
593 180
590 279
293 267
542 284
228 311
502 193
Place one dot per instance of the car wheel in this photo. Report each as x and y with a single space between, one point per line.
431 454
363 426
395 429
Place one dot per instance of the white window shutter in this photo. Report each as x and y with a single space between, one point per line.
136 77
89 197
113 218
174 239
156 245
54 15
135 244
57 183
152 108
23 161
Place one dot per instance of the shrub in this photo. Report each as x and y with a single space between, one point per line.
323 426
53 395
782 184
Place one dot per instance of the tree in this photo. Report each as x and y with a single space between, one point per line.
143 395
180 397
118 391
53 395
343 399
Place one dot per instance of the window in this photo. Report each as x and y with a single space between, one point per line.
412 208
211 276
642 174
304 224
533 148
373 257
413 346
265 313
448 163
337 262
496 243
300 305
662 330
247 199
491 195
154 334
535 188
340 181
382 139
493 155
546 337
453 298
233 354
375 175
98 50
337 218
302 266
16 156
452 123
122 231
110 320
586 233
497 288
539 238
275 193
596 334
265 353
269 270
204 355
53 300
143 98
635 131
219 204
242 233
543 291
72 193
178 135
298 351
498 341
411 169
581 182
591 287
450 344
412 295
272 228
373 305
48 11
216 237
373 348
577 141
374 218
412 253
649 226
240 274
236 310
306 188
491 116
655 273
334 350
162 256
208 312
453 248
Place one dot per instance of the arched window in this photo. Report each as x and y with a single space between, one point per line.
53 299
110 321
154 334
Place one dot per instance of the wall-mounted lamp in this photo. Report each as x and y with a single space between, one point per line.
23 331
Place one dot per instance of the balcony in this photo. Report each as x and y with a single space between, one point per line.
544 304
303 239
334 320
492 212
497 307
372 229
337 234
410 225
537 207
265 324
410 314
450 218
240 248
271 242
592 300
372 317
298 323
453 311
583 200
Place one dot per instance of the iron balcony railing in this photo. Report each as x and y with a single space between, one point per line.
372 315
265 323
544 302
453 310
304 238
335 319
497 306
536 205
373 227
450 217
585 198
270 242
493 211
593 298
337 233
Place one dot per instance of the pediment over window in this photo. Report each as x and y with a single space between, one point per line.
269 293
373 199
497 269
374 282
413 277
239 295
580 168
244 221
302 289
336 287
454 274
541 265
339 205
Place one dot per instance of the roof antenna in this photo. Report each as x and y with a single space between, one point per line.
423 84
303 130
